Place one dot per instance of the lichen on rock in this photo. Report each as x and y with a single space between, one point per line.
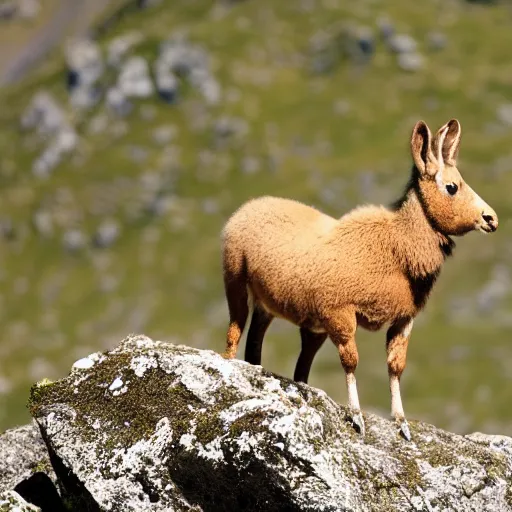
11 501
193 431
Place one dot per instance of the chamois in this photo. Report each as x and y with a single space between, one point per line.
373 266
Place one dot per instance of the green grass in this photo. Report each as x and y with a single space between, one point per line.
168 268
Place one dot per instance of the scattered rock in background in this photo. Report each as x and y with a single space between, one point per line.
28 9
386 28
88 84
85 68
137 154
359 44
167 84
22 9
495 290
250 165
74 240
226 128
7 229
117 102
120 46
43 114
405 47
43 223
8 10
410 61
164 134
402 43
62 144
179 57
106 234
48 120
437 41
324 53
504 114
134 79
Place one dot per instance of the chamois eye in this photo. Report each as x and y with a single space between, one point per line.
452 188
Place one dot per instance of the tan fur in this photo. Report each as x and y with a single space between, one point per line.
371 267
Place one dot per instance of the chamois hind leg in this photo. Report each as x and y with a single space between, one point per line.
259 325
237 297
311 343
342 330
397 339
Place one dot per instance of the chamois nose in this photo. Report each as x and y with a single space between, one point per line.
491 221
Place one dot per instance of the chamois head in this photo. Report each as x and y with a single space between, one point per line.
450 204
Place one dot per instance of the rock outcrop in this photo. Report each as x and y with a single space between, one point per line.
26 472
154 426
11 501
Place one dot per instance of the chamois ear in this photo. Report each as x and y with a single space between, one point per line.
421 148
447 142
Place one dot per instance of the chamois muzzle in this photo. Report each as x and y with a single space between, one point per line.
490 222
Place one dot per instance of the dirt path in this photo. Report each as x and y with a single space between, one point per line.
71 17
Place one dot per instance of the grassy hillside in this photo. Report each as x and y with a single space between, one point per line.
309 123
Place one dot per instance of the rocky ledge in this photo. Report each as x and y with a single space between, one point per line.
155 426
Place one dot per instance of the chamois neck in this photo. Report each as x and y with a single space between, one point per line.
422 249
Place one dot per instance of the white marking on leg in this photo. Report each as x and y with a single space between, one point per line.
397 410
406 331
353 399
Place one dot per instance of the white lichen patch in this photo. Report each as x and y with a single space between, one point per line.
188 441
116 384
212 450
88 362
142 363
240 409
83 364
272 385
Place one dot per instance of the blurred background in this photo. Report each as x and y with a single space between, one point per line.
130 131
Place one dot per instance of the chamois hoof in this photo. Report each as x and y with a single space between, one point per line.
358 422
404 430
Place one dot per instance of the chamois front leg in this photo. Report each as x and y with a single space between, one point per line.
397 339
342 330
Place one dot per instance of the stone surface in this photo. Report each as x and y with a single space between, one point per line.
22 453
134 79
27 479
11 501
154 426
402 43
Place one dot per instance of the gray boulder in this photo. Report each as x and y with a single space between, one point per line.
154 426
27 479
44 115
402 43
117 102
178 57
28 9
11 501
22 453
85 68
410 61
120 46
8 10
134 79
